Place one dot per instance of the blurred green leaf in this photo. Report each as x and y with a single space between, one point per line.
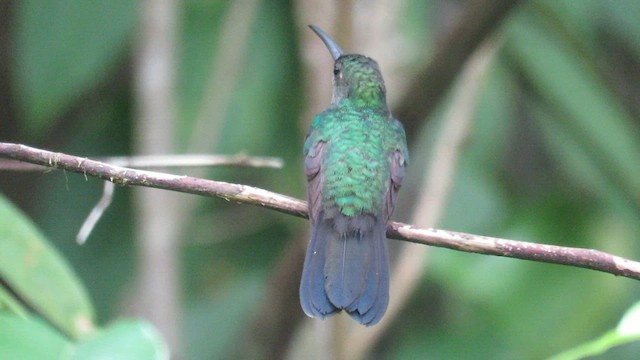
30 339
9 302
624 20
130 339
587 113
39 275
627 331
630 323
63 48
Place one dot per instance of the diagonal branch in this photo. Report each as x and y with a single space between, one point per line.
479 19
133 177
577 257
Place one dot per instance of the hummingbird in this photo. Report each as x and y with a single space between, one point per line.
355 155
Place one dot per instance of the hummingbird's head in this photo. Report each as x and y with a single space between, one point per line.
356 78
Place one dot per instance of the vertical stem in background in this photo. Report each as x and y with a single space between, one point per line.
164 216
156 232
226 67
433 197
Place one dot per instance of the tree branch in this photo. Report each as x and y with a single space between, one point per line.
167 161
577 257
479 19
133 177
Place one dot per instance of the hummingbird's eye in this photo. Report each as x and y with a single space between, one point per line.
336 71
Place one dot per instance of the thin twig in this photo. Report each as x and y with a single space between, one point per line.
166 161
192 160
96 213
577 257
151 161
161 161
14 165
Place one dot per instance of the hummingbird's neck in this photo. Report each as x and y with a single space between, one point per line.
369 96
358 103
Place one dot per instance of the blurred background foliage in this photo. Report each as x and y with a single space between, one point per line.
553 156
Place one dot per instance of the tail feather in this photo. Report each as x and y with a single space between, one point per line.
375 298
313 297
346 270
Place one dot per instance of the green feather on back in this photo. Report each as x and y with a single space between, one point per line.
355 163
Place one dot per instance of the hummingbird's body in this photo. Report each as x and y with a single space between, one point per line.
355 155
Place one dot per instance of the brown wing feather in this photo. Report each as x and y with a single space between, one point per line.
396 166
312 167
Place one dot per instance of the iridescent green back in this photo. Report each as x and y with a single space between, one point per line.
356 158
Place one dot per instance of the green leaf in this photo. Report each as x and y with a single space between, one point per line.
586 112
26 339
9 302
627 331
625 15
630 323
39 275
130 339
63 48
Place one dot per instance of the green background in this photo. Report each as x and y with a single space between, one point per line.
553 157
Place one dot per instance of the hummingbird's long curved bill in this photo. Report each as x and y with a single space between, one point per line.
333 47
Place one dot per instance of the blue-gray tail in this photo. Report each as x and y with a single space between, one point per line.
346 268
